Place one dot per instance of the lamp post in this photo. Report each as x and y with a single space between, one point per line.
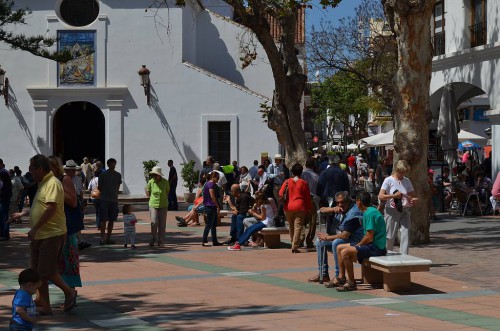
144 74
342 139
4 86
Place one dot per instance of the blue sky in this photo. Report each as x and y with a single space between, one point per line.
314 15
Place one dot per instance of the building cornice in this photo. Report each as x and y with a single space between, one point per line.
467 56
38 93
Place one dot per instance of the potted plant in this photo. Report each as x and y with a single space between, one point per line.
148 166
190 178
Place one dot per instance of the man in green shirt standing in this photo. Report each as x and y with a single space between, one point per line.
372 244
157 192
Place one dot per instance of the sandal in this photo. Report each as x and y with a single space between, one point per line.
336 282
71 304
347 287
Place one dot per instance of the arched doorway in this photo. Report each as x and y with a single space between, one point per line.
79 132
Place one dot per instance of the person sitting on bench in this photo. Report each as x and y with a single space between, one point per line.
372 244
346 228
262 220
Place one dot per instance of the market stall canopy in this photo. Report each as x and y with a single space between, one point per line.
381 139
466 135
353 147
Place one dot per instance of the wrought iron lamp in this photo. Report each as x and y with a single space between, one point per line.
144 74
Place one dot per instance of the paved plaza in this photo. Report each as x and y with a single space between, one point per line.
184 286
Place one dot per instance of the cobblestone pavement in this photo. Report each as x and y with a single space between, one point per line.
184 286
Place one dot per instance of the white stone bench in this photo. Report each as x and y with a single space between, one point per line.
393 270
272 236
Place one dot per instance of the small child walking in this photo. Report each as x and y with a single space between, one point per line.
23 306
129 221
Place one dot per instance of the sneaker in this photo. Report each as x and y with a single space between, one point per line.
235 247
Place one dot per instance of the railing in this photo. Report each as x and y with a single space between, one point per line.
477 34
438 43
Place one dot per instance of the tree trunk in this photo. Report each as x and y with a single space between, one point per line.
285 115
409 20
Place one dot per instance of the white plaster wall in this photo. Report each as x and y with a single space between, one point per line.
172 127
218 50
458 20
220 7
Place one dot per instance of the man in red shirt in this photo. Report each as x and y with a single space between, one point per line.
351 162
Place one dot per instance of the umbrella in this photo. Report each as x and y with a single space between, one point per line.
448 126
468 145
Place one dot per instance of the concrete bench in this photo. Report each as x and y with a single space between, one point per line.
393 270
272 236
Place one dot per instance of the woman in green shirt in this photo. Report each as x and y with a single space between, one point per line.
157 192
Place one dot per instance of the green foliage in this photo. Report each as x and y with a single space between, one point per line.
362 46
189 175
346 100
148 166
36 45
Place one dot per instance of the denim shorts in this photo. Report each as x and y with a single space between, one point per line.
365 251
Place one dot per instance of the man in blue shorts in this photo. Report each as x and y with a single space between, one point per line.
372 244
109 184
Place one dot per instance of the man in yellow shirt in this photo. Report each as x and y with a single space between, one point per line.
48 233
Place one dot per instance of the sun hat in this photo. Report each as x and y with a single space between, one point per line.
71 165
156 171
278 157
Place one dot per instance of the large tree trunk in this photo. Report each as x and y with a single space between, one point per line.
410 21
284 116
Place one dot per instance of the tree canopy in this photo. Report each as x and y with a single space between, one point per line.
344 100
36 45
362 45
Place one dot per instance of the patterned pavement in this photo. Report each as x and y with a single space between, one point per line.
184 286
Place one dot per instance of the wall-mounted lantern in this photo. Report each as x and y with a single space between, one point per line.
144 74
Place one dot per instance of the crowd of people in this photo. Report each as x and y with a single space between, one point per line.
470 178
261 196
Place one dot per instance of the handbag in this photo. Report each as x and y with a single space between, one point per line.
279 221
285 192
95 193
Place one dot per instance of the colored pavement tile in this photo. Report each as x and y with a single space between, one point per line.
184 286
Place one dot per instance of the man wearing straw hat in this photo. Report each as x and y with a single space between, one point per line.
157 192
278 173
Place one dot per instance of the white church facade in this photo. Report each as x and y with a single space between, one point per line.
201 100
